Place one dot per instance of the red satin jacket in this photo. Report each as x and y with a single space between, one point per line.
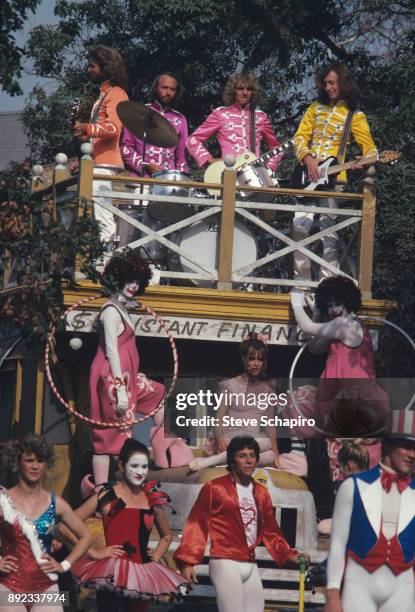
216 514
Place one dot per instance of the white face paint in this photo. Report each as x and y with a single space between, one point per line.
130 289
136 469
334 310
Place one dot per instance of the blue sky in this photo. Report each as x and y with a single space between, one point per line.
44 14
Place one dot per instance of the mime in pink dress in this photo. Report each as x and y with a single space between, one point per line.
115 382
144 395
349 373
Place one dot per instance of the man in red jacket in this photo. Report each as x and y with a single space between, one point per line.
236 513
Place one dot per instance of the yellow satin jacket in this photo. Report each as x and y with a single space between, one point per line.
321 128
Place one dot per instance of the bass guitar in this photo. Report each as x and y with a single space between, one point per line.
213 173
329 168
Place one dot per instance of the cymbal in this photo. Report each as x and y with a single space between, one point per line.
140 120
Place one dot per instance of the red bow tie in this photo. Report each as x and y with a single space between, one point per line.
401 481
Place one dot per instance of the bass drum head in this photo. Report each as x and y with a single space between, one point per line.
201 241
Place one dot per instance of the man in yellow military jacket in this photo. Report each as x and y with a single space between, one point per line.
318 137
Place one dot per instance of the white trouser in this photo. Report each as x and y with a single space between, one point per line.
301 229
238 585
105 218
380 591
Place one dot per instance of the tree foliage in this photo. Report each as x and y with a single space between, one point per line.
13 14
40 249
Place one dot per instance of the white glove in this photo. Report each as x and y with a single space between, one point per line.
297 298
122 401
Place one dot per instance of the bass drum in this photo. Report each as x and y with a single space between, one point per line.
201 241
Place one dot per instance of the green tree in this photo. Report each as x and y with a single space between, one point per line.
40 248
13 14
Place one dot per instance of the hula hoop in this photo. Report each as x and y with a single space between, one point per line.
123 423
302 349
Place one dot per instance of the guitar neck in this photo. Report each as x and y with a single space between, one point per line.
346 166
263 159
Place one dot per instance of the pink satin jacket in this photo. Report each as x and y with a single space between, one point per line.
172 158
231 125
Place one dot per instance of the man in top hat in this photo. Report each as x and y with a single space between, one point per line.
374 532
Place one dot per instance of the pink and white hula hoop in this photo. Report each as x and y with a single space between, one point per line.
125 422
302 349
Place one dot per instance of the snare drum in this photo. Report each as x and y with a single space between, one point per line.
170 212
255 176
201 241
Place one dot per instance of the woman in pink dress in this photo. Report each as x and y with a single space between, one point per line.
348 401
250 396
117 389
126 573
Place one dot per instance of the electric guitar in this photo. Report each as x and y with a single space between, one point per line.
213 173
329 168
73 116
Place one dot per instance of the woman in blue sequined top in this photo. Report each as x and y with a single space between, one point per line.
28 515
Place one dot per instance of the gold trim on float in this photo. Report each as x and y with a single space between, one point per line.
40 379
217 304
18 395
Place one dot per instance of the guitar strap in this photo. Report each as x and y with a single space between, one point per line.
252 131
346 131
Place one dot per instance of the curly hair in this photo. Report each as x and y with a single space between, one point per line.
126 268
340 289
246 78
239 443
179 90
111 64
349 89
31 444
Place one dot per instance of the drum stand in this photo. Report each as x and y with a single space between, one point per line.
140 207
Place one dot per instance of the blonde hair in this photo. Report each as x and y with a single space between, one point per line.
247 78
353 451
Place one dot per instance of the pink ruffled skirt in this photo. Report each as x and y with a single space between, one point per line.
130 579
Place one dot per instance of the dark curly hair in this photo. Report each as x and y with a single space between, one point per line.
238 443
111 64
126 268
31 444
340 289
349 89
179 90
247 78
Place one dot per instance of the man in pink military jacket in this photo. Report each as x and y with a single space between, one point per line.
164 90
232 124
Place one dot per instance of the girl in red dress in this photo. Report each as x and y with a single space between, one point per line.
28 515
126 573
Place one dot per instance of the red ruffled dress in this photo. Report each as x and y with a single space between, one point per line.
133 574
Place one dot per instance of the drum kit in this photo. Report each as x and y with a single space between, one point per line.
201 237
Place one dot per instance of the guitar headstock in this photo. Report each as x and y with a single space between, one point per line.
387 157
76 107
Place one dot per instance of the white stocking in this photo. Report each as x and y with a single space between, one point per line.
101 468
238 585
